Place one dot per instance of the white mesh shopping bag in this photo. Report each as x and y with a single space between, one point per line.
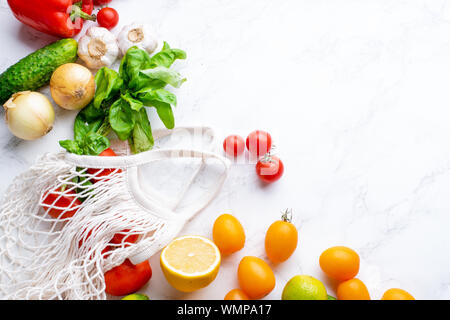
58 219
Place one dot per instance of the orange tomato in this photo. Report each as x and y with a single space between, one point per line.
397 294
340 263
353 289
255 277
281 240
236 294
228 234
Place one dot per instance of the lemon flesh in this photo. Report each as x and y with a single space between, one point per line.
190 263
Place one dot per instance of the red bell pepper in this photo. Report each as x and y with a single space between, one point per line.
61 206
127 278
61 18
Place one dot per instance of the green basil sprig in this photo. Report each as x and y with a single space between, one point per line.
120 101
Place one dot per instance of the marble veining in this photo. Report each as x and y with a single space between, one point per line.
355 94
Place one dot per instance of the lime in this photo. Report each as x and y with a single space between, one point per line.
136 296
304 288
331 298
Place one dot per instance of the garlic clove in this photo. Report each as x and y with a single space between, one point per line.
139 35
98 48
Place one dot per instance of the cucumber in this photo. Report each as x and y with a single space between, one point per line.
35 70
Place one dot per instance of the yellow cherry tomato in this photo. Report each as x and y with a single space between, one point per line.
255 277
340 263
236 294
397 294
353 289
281 239
228 234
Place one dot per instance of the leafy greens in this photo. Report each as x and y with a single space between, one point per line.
120 101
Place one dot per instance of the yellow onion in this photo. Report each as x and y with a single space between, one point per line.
29 115
72 86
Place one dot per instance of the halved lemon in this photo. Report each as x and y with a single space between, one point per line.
190 263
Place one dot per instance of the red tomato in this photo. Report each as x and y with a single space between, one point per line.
234 145
67 203
101 2
120 238
108 153
99 173
108 18
270 169
259 143
127 278
85 237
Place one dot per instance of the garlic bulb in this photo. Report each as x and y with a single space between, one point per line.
139 35
98 48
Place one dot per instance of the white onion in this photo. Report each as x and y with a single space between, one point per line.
72 86
29 115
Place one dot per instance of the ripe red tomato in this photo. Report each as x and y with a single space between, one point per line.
99 173
120 238
127 278
108 18
108 153
67 203
101 2
234 145
259 143
269 169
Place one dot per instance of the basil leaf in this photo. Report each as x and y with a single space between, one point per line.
108 84
95 143
71 146
166 57
165 75
142 138
121 119
161 95
145 83
132 63
90 119
165 113
134 104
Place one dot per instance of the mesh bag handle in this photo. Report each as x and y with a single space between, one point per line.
132 162
160 207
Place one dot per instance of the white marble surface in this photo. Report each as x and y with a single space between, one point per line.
356 96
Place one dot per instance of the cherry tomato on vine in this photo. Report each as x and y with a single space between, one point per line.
281 239
108 18
234 145
270 168
101 2
259 143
